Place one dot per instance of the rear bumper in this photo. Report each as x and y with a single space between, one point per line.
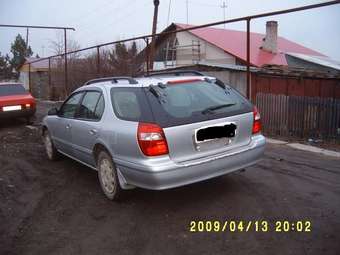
24 113
171 175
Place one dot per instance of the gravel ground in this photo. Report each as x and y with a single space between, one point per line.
58 207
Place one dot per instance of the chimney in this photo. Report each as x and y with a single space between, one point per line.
270 41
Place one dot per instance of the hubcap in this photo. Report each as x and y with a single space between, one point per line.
107 177
48 146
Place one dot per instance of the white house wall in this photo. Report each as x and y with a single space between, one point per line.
208 52
24 79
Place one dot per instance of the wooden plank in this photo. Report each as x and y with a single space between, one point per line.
304 117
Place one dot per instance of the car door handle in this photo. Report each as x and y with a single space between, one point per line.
68 126
93 131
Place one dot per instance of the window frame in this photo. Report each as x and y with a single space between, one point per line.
67 99
81 101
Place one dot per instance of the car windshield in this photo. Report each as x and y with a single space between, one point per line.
12 89
181 103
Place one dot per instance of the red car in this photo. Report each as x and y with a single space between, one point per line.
16 102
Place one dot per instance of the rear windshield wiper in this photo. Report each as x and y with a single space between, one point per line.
213 108
158 94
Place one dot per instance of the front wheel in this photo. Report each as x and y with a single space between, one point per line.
51 151
108 177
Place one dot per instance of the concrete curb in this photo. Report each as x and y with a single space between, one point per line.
314 149
305 147
274 141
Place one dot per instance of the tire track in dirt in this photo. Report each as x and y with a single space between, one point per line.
58 207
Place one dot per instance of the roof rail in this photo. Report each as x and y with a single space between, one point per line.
113 80
176 73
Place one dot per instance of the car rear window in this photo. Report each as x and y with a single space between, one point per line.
183 103
12 89
130 104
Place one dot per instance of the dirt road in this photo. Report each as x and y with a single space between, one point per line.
58 208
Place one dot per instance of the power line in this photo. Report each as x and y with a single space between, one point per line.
204 4
243 18
121 9
88 14
89 27
118 19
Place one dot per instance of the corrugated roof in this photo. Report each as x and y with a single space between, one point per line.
42 64
234 43
320 60
227 66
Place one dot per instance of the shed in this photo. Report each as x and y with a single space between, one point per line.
38 76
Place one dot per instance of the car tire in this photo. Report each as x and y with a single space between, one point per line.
50 149
108 177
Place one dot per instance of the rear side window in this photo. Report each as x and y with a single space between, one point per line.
12 89
126 104
183 103
130 104
88 107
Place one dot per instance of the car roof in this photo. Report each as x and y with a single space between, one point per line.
143 81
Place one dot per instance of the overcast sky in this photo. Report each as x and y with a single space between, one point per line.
102 21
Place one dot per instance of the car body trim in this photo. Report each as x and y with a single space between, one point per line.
79 161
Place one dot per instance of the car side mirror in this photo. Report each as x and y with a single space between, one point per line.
53 111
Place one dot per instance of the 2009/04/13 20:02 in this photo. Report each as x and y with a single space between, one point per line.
247 226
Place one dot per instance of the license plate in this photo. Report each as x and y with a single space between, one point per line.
11 108
215 132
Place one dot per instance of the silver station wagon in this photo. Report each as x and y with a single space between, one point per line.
157 132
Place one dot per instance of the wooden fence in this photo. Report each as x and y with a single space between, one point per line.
297 116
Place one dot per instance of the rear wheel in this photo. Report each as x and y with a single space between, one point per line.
108 177
51 151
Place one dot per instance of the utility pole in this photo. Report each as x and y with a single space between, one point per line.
26 40
154 30
187 3
65 65
169 9
224 7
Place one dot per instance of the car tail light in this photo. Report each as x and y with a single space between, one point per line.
28 106
151 139
257 121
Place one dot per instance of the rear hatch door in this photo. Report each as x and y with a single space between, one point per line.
201 118
183 140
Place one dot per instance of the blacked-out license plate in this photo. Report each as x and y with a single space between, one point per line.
216 132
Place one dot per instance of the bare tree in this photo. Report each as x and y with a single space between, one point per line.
57 46
121 59
58 65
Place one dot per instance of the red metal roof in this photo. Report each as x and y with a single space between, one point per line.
234 43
